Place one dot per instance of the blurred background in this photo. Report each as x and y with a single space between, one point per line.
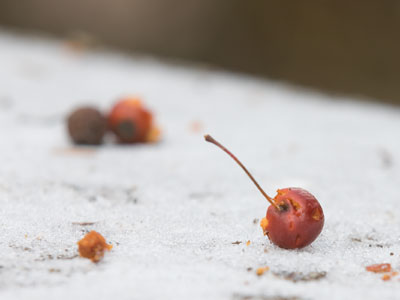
345 47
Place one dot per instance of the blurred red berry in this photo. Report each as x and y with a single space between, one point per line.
131 122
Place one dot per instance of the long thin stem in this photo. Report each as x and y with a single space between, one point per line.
210 139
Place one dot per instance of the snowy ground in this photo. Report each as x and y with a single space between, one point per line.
174 211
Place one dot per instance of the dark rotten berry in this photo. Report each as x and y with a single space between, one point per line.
86 125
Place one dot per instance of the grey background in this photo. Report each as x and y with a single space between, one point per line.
339 46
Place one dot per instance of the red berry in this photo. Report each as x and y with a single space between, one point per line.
130 121
297 222
294 219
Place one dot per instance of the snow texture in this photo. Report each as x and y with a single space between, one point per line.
179 213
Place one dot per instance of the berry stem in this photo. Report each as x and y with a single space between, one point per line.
210 139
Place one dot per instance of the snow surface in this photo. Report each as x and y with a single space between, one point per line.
173 210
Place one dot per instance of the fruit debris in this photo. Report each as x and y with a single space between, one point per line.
379 268
262 270
93 246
